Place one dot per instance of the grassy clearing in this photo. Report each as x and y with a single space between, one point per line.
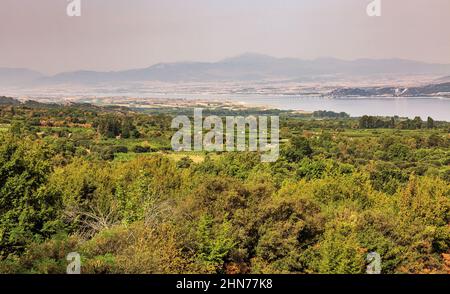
196 158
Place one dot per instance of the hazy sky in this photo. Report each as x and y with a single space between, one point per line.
122 34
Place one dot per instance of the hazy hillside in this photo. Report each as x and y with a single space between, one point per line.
241 68
18 76
443 80
442 89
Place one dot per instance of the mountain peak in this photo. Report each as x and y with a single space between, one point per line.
249 57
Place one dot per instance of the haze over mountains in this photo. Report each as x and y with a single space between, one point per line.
246 67
18 76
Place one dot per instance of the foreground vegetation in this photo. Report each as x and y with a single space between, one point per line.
104 182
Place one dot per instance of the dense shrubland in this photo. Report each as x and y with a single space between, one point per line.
128 205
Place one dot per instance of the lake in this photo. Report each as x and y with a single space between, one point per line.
437 108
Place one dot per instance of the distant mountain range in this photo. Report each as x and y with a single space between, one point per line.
250 66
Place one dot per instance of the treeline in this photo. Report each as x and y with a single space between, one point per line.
329 114
375 122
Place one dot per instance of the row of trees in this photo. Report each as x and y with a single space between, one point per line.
375 122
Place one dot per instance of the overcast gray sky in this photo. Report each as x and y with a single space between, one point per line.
123 34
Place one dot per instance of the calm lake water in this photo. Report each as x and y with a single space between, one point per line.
437 108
